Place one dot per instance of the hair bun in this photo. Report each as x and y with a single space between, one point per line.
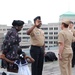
17 23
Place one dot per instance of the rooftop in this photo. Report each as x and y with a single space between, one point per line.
69 13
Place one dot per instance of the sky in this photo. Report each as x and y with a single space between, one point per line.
25 10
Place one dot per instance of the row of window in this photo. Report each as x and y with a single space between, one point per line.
25 37
9 29
25 28
51 37
45 37
45 33
51 33
51 42
55 28
4 29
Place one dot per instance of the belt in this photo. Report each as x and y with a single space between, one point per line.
36 46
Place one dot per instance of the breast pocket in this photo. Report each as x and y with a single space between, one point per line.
37 33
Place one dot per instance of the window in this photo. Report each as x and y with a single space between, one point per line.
25 37
55 32
46 41
55 42
50 37
50 42
25 28
56 37
4 29
56 28
44 28
50 32
8 29
19 33
24 33
50 28
46 33
46 37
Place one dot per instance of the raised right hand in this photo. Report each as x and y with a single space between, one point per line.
37 23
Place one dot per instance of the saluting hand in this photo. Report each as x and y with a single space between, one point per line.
37 23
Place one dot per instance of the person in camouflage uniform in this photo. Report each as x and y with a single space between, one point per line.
11 44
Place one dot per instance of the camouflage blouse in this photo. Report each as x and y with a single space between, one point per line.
10 45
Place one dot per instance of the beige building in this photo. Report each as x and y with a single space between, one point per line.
51 31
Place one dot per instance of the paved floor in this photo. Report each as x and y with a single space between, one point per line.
52 68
